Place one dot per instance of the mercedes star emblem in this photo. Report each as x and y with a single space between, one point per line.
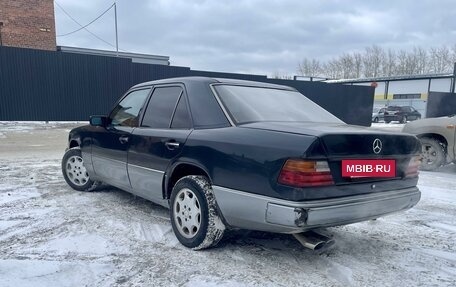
377 146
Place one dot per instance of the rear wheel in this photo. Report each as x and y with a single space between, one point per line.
403 120
194 214
375 120
74 172
432 154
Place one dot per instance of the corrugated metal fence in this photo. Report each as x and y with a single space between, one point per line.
40 85
441 104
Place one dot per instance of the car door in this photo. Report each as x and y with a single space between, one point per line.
165 126
415 114
110 144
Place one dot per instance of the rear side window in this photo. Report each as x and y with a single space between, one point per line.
181 119
161 107
127 111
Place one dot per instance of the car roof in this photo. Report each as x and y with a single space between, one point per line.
208 80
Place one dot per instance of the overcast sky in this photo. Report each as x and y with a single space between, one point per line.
257 36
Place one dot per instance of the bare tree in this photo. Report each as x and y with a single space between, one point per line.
309 68
332 69
440 60
281 75
421 57
375 62
357 64
346 64
372 61
389 67
453 56
401 63
411 63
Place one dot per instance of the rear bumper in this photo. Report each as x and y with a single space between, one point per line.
256 212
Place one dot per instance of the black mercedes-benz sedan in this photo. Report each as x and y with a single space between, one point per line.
224 153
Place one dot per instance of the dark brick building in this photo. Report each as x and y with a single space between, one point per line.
27 24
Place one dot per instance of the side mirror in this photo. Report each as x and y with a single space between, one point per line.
98 121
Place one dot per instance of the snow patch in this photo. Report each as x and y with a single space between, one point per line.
442 226
21 126
10 193
5 224
80 244
212 281
342 274
45 273
440 194
449 256
151 232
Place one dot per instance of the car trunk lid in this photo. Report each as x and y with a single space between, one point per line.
341 142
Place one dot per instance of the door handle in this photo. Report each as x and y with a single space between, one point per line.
172 145
123 139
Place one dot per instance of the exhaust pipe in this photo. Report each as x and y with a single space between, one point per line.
313 240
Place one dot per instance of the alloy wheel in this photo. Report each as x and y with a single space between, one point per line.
187 213
76 171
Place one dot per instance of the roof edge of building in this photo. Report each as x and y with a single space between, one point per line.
392 78
97 52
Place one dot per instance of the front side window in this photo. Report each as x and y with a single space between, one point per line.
407 109
126 113
256 104
161 107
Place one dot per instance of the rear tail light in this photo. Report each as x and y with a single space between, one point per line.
412 168
301 173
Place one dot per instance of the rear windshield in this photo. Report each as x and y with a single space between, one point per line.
256 104
394 108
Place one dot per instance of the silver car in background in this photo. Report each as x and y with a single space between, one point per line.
378 114
437 136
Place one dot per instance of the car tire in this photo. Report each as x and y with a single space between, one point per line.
375 120
403 120
74 172
432 154
194 214
387 121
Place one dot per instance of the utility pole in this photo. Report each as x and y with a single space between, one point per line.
117 37
454 78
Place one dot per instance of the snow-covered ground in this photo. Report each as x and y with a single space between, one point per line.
51 235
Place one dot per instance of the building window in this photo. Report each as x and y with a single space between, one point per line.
406 96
